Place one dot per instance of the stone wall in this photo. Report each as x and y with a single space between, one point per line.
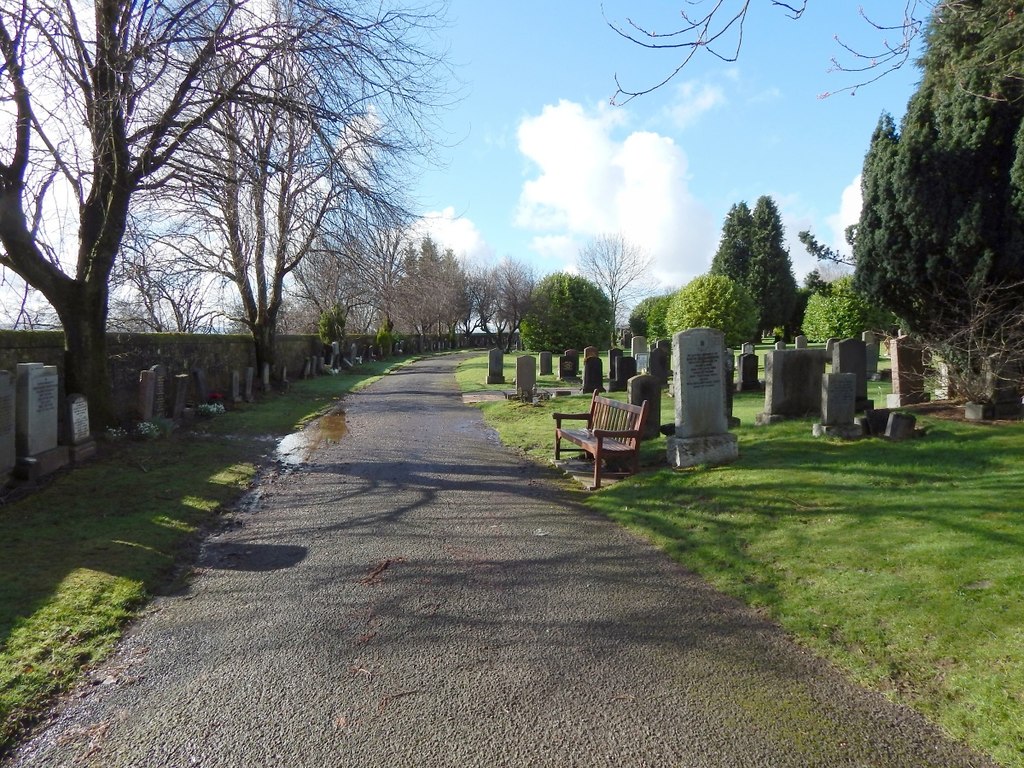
218 355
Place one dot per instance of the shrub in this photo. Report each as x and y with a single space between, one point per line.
713 301
567 311
841 312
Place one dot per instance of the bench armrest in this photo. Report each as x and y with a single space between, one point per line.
559 417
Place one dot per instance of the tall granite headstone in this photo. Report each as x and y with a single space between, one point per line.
907 358
147 394
747 380
792 384
495 366
702 428
625 369
850 356
36 421
646 387
614 355
79 434
838 401
593 375
870 340
526 376
638 346
7 421
657 365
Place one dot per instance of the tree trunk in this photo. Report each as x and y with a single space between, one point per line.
265 342
84 317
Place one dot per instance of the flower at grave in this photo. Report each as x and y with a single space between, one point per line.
209 410
147 430
115 433
215 397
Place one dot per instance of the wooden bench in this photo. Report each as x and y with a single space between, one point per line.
612 434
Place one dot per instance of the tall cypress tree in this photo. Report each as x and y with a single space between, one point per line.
734 249
770 278
942 228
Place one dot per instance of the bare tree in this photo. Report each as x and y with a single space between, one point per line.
718 27
619 268
153 291
97 106
515 283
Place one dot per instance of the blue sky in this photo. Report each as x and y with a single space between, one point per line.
540 162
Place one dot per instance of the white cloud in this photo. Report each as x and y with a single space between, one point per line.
455 232
587 181
693 100
850 204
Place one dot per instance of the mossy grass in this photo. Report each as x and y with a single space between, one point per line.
899 561
82 555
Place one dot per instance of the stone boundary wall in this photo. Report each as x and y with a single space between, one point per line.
218 355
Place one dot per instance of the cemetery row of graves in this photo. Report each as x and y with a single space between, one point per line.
897 559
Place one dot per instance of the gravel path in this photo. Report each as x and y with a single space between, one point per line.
415 595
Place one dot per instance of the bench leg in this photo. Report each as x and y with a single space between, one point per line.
558 445
597 468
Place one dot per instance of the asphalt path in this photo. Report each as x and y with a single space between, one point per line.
417 595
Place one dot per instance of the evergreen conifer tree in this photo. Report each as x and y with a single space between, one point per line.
770 278
732 259
941 232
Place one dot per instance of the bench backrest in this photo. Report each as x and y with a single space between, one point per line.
606 413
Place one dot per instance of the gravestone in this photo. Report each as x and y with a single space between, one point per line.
800 342
657 366
701 434
792 384
850 356
646 387
829 345
8 456
748 369
545 364
335 354
747 348
730 388
236 387
665 344
907 358
614 355
900 426
265 377
625 369
574 360
147 394
495 366
625 337
307 368
638 346
589 352
79 435
838 399
780 345
36 421
593 375
181 382
870 340
199 385
160 391
526 377
1002 387
250 373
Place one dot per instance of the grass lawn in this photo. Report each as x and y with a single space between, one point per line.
81 556
901 562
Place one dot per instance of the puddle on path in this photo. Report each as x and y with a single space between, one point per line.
299 447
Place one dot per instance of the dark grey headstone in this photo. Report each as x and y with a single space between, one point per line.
593 375
646 387
545 364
